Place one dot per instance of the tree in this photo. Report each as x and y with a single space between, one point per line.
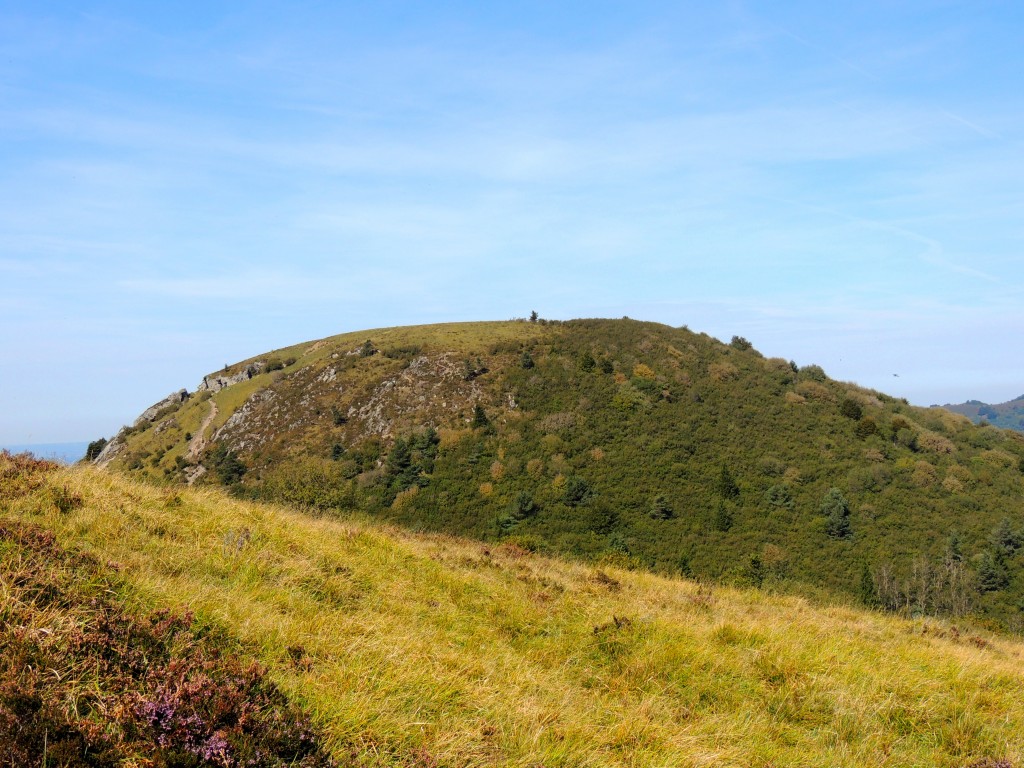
480 420
1005 541
740 343
851 409
526 361
723 518
533 316
992 574
95 449
836 510
727 487
226 464
577 491
367 350
523 506
779 496
661 508
865 428
587 362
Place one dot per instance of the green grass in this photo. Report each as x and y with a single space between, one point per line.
417 648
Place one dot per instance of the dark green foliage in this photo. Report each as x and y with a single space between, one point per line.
95 449
533 316
225 464
992 572
723 518
727 487
368 349
867 592
661 508
577 491
337 451
586 362
608 367
523 506
411 460
851 409
836 510
755 571
480 420
403 352
526 361
1005 541
779 496
338 418
740 343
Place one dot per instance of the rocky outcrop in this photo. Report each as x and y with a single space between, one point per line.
216 382
173 400
155 412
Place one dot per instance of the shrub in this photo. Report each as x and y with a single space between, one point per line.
851 409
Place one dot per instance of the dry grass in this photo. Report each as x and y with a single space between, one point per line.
413 649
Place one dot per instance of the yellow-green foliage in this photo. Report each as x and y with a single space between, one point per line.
411 648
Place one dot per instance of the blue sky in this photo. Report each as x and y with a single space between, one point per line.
184 185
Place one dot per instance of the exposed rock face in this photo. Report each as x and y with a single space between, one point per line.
411 392
244 429
215 383
118 442
173 399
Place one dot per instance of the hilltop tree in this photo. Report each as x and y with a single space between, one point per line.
740 343
533 316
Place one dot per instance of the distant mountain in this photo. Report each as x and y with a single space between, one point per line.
1008 415
615 441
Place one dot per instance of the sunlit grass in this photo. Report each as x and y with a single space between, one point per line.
414 647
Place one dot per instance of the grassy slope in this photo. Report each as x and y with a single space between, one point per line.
430 650
674 408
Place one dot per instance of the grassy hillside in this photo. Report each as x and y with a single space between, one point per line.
618 441
1008 415
433 651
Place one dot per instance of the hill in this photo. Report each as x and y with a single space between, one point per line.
615 441
1008 415
427 650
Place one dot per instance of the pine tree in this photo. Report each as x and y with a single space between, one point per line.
727 487
723 518
836 510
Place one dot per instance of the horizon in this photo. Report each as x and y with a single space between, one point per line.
192 186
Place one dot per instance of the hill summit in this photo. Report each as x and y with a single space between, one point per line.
619 441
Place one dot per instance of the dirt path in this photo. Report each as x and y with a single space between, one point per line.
198 443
